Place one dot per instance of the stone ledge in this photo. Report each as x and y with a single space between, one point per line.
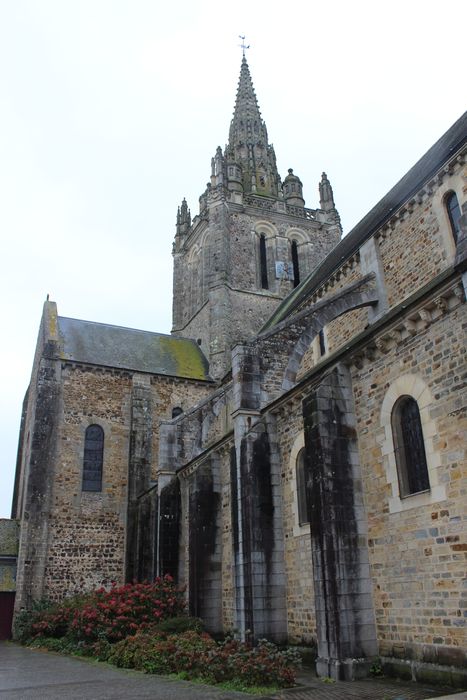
423 672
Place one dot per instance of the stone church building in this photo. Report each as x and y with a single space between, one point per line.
294 452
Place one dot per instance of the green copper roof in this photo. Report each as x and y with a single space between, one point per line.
128 348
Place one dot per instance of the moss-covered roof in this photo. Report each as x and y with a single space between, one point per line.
127 348
406 188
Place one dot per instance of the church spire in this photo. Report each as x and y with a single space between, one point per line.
248 146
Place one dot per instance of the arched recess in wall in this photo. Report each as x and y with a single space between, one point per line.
194 267
413 387
93 458
341 304
206 263
265 234
453 211
298 254
444 207
300 526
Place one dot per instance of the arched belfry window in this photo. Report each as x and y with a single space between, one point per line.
409 447
177 411
454 213
263 263
301 488
93 458
296 267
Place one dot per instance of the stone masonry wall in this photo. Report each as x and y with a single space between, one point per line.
169 393
414 247
87 529
418 552
418 244
206 555
301 620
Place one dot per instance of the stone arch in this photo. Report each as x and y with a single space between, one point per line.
297 446
195 276
451 183
299 253
324 313
265 253
296 234
411 385
266 229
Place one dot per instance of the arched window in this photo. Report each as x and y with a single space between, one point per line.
409 447
301 488
321 342
296 268
176 411
263 262
454 213
93 458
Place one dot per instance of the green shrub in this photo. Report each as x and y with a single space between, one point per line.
25 618
158 652
62 644
180 624
198 656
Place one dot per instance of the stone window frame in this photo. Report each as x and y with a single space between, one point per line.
409 444
450 194
451 183
296 235
269 232
297 447
411 385
85 433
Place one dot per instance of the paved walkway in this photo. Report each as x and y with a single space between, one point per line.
31 674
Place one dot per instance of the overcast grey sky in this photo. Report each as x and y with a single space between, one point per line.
110 111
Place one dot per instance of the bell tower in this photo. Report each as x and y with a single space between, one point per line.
252 241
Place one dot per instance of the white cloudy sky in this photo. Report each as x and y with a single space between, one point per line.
110 111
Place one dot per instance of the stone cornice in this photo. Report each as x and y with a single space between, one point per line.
221 447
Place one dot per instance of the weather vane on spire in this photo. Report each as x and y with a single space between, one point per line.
243 46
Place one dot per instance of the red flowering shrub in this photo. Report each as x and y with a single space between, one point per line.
143 626
124 610
111 614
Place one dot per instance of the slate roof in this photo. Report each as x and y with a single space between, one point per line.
421 172
128 348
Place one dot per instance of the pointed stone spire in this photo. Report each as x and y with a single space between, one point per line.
326 203
248 148
326 196
183 218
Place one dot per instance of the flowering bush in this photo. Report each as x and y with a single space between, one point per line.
199 656
111 614
144 626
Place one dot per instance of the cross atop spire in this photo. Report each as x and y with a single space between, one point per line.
243 45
